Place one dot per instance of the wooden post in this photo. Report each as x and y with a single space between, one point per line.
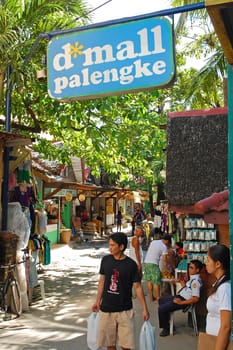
230 166
225 92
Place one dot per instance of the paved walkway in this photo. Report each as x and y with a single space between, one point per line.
70 287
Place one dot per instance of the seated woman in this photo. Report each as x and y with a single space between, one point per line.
188 295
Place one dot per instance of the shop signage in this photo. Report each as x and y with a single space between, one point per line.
111 60
65 192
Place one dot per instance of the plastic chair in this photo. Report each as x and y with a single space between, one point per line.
191 308
194 319
171 322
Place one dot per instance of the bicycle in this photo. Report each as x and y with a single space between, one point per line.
10 287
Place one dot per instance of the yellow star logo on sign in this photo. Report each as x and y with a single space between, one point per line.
76 49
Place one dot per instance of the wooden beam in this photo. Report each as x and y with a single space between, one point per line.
221 14
53 193
18 142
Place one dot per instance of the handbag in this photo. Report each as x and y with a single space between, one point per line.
208 341
92 330
147 337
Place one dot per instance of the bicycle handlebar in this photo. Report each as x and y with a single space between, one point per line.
11 266
24 250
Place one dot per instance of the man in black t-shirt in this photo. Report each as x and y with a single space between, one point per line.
118 275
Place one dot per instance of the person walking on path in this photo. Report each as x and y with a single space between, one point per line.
139 216
119 220
133 223
152 273
135 249
118 275
188 295
218 321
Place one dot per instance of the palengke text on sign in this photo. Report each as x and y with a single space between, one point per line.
111 60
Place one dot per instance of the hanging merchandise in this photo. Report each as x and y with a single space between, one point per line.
199 237
19 224
170 226
157 217
46 245
42 221
24 172
12 181
164 212
23 194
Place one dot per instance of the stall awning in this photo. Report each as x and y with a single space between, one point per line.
57 183
20 152
136 197
12 140
214 208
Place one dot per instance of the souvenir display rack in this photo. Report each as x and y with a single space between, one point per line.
198 237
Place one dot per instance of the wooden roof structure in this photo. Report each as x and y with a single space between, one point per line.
10 140
52 175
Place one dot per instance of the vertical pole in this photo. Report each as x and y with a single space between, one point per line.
230 167
58 220
6 155
8 99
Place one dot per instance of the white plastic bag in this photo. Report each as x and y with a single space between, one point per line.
147 337
92 329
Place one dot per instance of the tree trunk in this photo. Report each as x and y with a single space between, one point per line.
2 78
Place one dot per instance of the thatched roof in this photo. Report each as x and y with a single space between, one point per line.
196 155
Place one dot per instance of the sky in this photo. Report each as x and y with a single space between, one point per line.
116 9
125 8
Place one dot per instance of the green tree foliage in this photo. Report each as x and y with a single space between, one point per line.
197 40
122 134
21 22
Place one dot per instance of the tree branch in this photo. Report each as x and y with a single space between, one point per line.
31 113
37 129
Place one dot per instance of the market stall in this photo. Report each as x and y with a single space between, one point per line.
197 181
13 225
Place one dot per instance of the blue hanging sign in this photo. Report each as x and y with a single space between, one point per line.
111 60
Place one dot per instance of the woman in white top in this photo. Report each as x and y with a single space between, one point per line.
218 321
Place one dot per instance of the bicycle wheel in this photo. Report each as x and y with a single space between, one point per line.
16 302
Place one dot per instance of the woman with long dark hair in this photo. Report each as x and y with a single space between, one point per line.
218 321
